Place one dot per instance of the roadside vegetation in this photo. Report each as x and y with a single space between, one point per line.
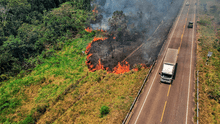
208 38
43 75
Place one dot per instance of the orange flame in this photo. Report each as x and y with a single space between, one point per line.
88 56
88 48
99 38
121 68
135 69
108 70
94 40
94 11
100 30
144 66
88 29
91 67
99 66
103 30
88 63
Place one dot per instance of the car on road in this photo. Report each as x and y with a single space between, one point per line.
187 3
190 25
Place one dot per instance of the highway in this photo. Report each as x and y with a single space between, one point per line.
161 103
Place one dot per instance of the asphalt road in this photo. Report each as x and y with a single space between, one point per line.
165 103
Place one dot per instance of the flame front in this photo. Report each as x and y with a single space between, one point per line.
88 48
99 65
88 62
135 69
99 38
94 40
88 29
121 68
94 11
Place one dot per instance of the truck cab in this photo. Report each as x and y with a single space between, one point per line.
167 73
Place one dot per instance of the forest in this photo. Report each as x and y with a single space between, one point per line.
28 28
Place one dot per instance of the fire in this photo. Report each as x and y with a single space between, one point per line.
88 29
88 56
108 70
135 69
94 11
144 66
121 68
99 66
88 63
99 38
100 30
103 30
88 48
91 67
94 40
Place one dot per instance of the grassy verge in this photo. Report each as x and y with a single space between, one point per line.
46 81
209 74
61 90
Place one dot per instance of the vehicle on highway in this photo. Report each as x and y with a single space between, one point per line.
187 3
190 25
169 66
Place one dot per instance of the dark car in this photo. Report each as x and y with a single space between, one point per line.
190 25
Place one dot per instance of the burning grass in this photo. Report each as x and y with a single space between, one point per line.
88 29
120 68
62 90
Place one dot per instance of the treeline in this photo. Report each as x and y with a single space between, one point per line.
29 27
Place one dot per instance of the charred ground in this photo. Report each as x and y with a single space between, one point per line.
135 38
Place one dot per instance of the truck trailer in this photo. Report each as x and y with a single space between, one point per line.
169 66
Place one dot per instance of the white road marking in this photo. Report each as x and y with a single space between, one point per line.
159 64
190 69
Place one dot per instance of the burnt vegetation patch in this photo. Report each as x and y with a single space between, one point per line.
119 44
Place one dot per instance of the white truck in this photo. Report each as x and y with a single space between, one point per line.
169 66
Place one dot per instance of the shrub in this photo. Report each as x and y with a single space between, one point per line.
214 93
104 111
203 22
28 120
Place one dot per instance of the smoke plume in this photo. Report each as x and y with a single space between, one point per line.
136 30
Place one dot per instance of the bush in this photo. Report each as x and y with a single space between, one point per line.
214 93
28 120
203 22
216 44
104 111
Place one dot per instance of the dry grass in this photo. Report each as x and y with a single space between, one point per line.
82 104
209 109
28 102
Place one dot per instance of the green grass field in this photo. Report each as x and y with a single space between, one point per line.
62 90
